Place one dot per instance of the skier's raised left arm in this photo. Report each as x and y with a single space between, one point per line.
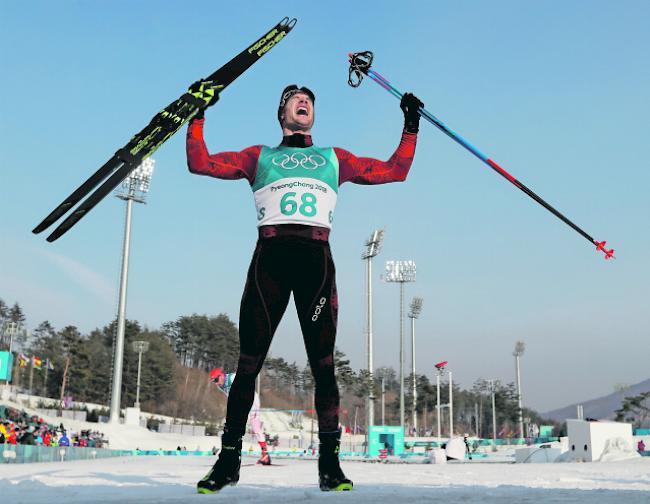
365 170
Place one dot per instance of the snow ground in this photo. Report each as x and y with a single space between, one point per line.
172 479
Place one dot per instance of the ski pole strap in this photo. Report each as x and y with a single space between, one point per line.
359 66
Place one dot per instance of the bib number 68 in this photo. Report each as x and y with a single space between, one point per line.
307 207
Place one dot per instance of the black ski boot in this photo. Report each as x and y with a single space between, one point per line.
330 475
226 470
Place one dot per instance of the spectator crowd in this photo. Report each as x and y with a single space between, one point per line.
18 427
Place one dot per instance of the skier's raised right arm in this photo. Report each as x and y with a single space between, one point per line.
223 165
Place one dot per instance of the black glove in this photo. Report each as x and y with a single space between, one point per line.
410 105
206 91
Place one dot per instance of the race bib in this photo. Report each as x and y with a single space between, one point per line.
296 186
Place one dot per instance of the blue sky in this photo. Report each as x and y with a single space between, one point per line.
557 92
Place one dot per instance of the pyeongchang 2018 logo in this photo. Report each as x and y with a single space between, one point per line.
293 161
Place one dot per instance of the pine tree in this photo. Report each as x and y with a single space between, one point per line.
344 373
635 409
17 316
70 343
4 312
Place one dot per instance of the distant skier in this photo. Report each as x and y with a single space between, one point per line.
224 382
468 449
295 186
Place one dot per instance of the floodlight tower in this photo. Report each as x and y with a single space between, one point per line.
492 389
518 352
440 368
416 309
12 329
373 247
383 400
401 272
140 347
134 188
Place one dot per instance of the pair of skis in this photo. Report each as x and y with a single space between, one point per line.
360 64
163 125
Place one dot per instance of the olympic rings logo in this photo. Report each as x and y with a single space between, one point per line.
293 161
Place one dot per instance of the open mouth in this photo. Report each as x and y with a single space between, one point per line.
302 111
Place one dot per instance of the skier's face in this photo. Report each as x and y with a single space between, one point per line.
298 113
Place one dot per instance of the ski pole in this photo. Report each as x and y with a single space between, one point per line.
360 64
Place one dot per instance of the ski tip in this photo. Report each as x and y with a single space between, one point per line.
46 223
53 216
58 232
287 24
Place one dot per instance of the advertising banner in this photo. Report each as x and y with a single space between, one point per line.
6 363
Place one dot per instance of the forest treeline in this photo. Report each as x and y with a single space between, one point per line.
176 365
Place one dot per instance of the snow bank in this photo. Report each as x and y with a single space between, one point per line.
617 449
158 479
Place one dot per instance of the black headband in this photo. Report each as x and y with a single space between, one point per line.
288 92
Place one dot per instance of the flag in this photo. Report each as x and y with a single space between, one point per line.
37 362
22 360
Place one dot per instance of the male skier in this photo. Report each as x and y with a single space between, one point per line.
295 187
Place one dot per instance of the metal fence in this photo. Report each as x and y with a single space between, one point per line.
20 454
185 429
